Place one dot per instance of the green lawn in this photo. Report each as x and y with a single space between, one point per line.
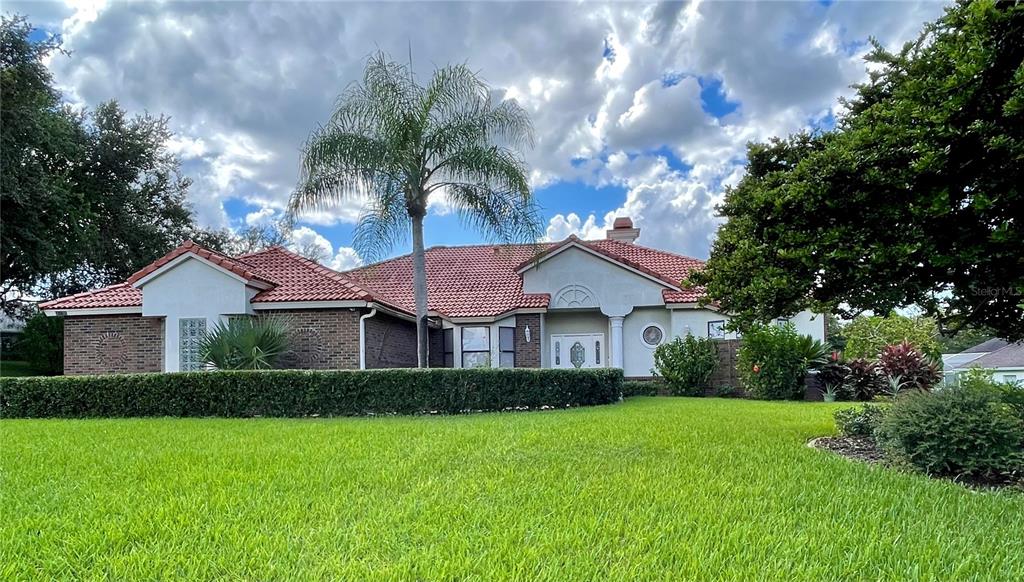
651 489
9 368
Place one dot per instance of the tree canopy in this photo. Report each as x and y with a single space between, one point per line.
396 142
913 198
88 197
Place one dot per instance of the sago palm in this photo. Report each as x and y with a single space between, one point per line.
246 343
392 143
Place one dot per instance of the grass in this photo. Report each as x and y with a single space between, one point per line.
11 368
651 489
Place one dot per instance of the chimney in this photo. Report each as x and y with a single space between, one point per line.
622 230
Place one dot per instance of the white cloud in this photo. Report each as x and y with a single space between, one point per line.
346 258
560 227
264 215
245 84
305 238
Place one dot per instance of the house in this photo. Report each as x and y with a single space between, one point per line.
1005 360
573 303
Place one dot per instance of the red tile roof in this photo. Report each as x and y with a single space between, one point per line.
120 295
300 279
231 264
464 281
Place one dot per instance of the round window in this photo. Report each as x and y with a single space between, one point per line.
653 335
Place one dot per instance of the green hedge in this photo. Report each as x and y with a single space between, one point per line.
306 393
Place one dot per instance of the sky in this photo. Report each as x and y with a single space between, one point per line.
640 110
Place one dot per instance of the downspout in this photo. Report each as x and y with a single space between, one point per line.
362 337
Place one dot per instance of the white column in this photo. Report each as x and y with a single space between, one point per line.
616 345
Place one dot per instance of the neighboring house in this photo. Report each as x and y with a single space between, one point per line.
1005 360
575 303
10 331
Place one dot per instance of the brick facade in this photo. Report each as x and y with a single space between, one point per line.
390 342
113 344
322 339
528 354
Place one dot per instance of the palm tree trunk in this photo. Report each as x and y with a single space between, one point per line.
419 279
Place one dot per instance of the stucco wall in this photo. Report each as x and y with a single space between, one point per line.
570 322
695 321
638 357
615 290
192 289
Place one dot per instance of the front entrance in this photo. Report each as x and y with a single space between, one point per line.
577 350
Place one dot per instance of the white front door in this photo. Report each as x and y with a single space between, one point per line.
581 350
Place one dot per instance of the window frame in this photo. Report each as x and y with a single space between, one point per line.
448 340
512 348
710 323
643 340
462 343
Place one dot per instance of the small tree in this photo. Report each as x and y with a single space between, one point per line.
686 364
772 363
42 344
866 337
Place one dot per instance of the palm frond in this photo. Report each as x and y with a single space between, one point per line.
245 343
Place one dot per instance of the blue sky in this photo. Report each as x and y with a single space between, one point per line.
641 110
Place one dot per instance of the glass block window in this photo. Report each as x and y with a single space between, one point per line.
190 334
506 347
476 347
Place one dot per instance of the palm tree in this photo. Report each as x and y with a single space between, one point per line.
395 142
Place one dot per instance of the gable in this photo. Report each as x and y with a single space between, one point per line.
577 278
193 287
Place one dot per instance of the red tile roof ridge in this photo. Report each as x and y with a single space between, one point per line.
232 264
321 270
646 248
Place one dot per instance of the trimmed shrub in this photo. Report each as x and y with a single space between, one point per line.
914 369
867 336
306 393
640 388
771 363
42 344
1010 393
963 430
859 421
686 364
863 381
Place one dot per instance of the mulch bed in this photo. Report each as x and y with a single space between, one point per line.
856 448
865 450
